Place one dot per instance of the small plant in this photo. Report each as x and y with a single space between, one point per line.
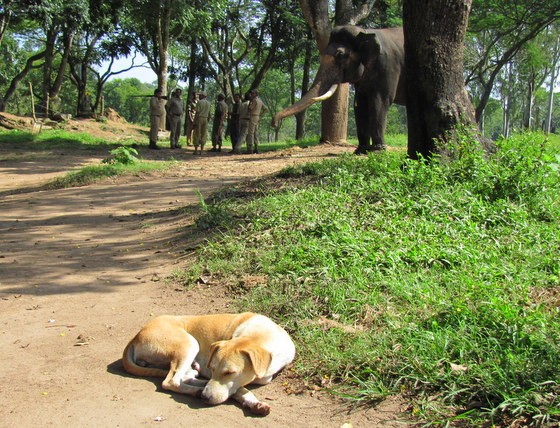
123 156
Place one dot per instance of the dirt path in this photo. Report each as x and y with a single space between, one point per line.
82 269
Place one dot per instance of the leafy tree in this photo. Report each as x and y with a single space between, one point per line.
102 20
155 25
498 30
127 96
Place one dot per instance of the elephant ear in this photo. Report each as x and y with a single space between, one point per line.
369 46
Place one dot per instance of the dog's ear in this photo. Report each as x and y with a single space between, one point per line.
260 359
215 346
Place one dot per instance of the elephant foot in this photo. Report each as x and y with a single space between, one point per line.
363 150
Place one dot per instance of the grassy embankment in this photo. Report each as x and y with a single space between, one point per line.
122 158
50 144
439 282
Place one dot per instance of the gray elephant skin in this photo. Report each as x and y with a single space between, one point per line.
373 61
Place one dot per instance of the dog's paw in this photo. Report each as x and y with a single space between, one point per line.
258 408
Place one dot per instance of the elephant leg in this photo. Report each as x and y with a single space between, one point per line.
361 114
378 123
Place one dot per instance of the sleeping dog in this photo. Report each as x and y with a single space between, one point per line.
231 350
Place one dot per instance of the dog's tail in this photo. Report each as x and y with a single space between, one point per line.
132 367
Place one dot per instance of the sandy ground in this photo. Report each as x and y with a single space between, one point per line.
82 269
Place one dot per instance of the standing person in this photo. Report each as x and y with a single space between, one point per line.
174 109
220 116
243 124
256 109
157 113
234 122
189 125
201 118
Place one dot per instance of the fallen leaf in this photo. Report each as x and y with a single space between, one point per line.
458 367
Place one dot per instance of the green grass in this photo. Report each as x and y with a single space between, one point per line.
94 173
55 139
28 146
286 144
439 281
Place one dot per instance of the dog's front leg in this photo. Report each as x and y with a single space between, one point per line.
184 384
250 402
189 379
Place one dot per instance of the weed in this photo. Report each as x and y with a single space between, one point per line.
122 155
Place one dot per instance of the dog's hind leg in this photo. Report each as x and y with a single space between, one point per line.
181 377
250 402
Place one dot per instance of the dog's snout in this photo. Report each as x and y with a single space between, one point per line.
209 399
205 398
214 395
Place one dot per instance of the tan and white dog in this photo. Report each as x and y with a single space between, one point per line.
231 350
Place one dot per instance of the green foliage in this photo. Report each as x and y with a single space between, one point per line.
130 98
435 280
55 138
122 155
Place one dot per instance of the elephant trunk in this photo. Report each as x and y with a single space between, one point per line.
318 92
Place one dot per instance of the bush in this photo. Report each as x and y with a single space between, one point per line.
123 156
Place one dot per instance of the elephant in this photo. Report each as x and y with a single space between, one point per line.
373 61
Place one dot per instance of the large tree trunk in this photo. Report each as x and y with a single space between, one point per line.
437 101
51 88
164 23
51 36
334 112
334 117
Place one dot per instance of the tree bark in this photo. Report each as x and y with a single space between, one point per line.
334 116
51 36
163 23
334 111
437 101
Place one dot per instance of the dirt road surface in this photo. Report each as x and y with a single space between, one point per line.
82 269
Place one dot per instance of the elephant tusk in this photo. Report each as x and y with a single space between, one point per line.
327 94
